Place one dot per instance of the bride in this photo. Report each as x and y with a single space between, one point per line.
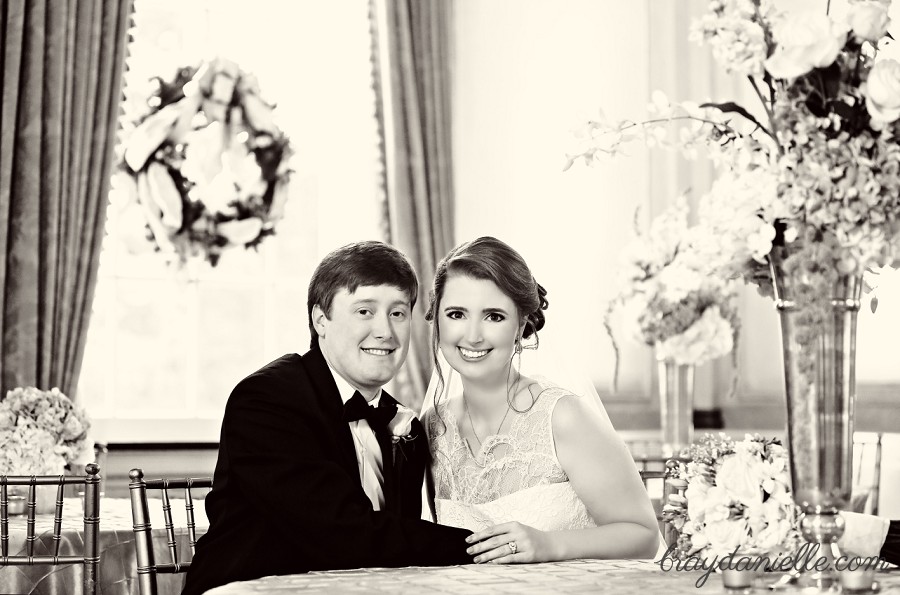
538 473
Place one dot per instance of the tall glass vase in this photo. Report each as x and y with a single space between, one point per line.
819 349
676 405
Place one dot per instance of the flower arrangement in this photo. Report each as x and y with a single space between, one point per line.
208 165
42 432
815 179
737 498
668 301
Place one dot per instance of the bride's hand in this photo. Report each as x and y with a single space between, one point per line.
511 543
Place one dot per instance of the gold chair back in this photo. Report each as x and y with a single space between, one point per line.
147 567
90 556
866 472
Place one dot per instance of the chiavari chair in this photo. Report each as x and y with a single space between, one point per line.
147 566
35 543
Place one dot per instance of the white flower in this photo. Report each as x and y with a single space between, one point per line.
401 424
882 91
678 280
805 41
772 535
696 497
868 20
41 432
240 231
716 505
708 338
725 536
740 476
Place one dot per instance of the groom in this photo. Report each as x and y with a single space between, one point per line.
317 467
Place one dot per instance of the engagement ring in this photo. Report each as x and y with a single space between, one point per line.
512 547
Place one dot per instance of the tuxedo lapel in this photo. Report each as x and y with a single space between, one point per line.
333 408
388 462
404 467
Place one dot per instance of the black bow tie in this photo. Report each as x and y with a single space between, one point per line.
358 408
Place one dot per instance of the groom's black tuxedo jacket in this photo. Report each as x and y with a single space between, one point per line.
287 496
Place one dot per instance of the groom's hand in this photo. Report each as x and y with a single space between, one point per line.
511 543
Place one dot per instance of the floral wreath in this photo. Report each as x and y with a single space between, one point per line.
210 168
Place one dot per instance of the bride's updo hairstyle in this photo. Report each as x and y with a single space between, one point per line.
487 258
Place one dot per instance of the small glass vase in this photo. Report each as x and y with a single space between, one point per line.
676 406
738 581
739 575
44 498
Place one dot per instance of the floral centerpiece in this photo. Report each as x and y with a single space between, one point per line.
807 200
207 163
737 498
42 432
667 300
818 171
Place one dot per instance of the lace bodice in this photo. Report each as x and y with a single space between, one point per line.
506 463
514 476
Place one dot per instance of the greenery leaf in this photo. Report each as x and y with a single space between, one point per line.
732 107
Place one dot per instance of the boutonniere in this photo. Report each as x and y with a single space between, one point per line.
400 425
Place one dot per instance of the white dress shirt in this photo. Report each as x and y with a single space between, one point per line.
863 535
368 452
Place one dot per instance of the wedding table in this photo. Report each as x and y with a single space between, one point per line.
618 577
118 566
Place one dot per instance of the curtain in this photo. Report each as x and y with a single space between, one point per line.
412 77
63 62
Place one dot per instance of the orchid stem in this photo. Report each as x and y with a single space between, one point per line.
769 112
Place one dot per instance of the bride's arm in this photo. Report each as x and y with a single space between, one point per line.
604 476
606 479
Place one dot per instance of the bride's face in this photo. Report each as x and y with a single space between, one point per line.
478 326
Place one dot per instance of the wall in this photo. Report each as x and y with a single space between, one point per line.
526 72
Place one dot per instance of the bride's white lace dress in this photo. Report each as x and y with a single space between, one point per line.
514 477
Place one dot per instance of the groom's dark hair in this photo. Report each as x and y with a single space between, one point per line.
355 265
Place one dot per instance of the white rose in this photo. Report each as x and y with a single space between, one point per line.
696 497
803 42
716 505
725 536
740 477
401 424
772 536
868 20
882 91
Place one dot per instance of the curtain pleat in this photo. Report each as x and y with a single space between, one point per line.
63 62
413 80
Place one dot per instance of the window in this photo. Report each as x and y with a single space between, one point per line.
166 346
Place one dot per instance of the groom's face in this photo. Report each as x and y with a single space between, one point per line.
365 337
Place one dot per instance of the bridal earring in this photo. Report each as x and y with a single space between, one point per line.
518 345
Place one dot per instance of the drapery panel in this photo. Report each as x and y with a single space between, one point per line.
63 62
412 68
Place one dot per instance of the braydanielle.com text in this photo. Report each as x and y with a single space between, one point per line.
804 559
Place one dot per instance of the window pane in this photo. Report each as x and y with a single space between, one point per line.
170 342
231 338
154 339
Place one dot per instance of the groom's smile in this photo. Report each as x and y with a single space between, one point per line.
371 351
365 336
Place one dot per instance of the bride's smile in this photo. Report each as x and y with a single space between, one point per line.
473 355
